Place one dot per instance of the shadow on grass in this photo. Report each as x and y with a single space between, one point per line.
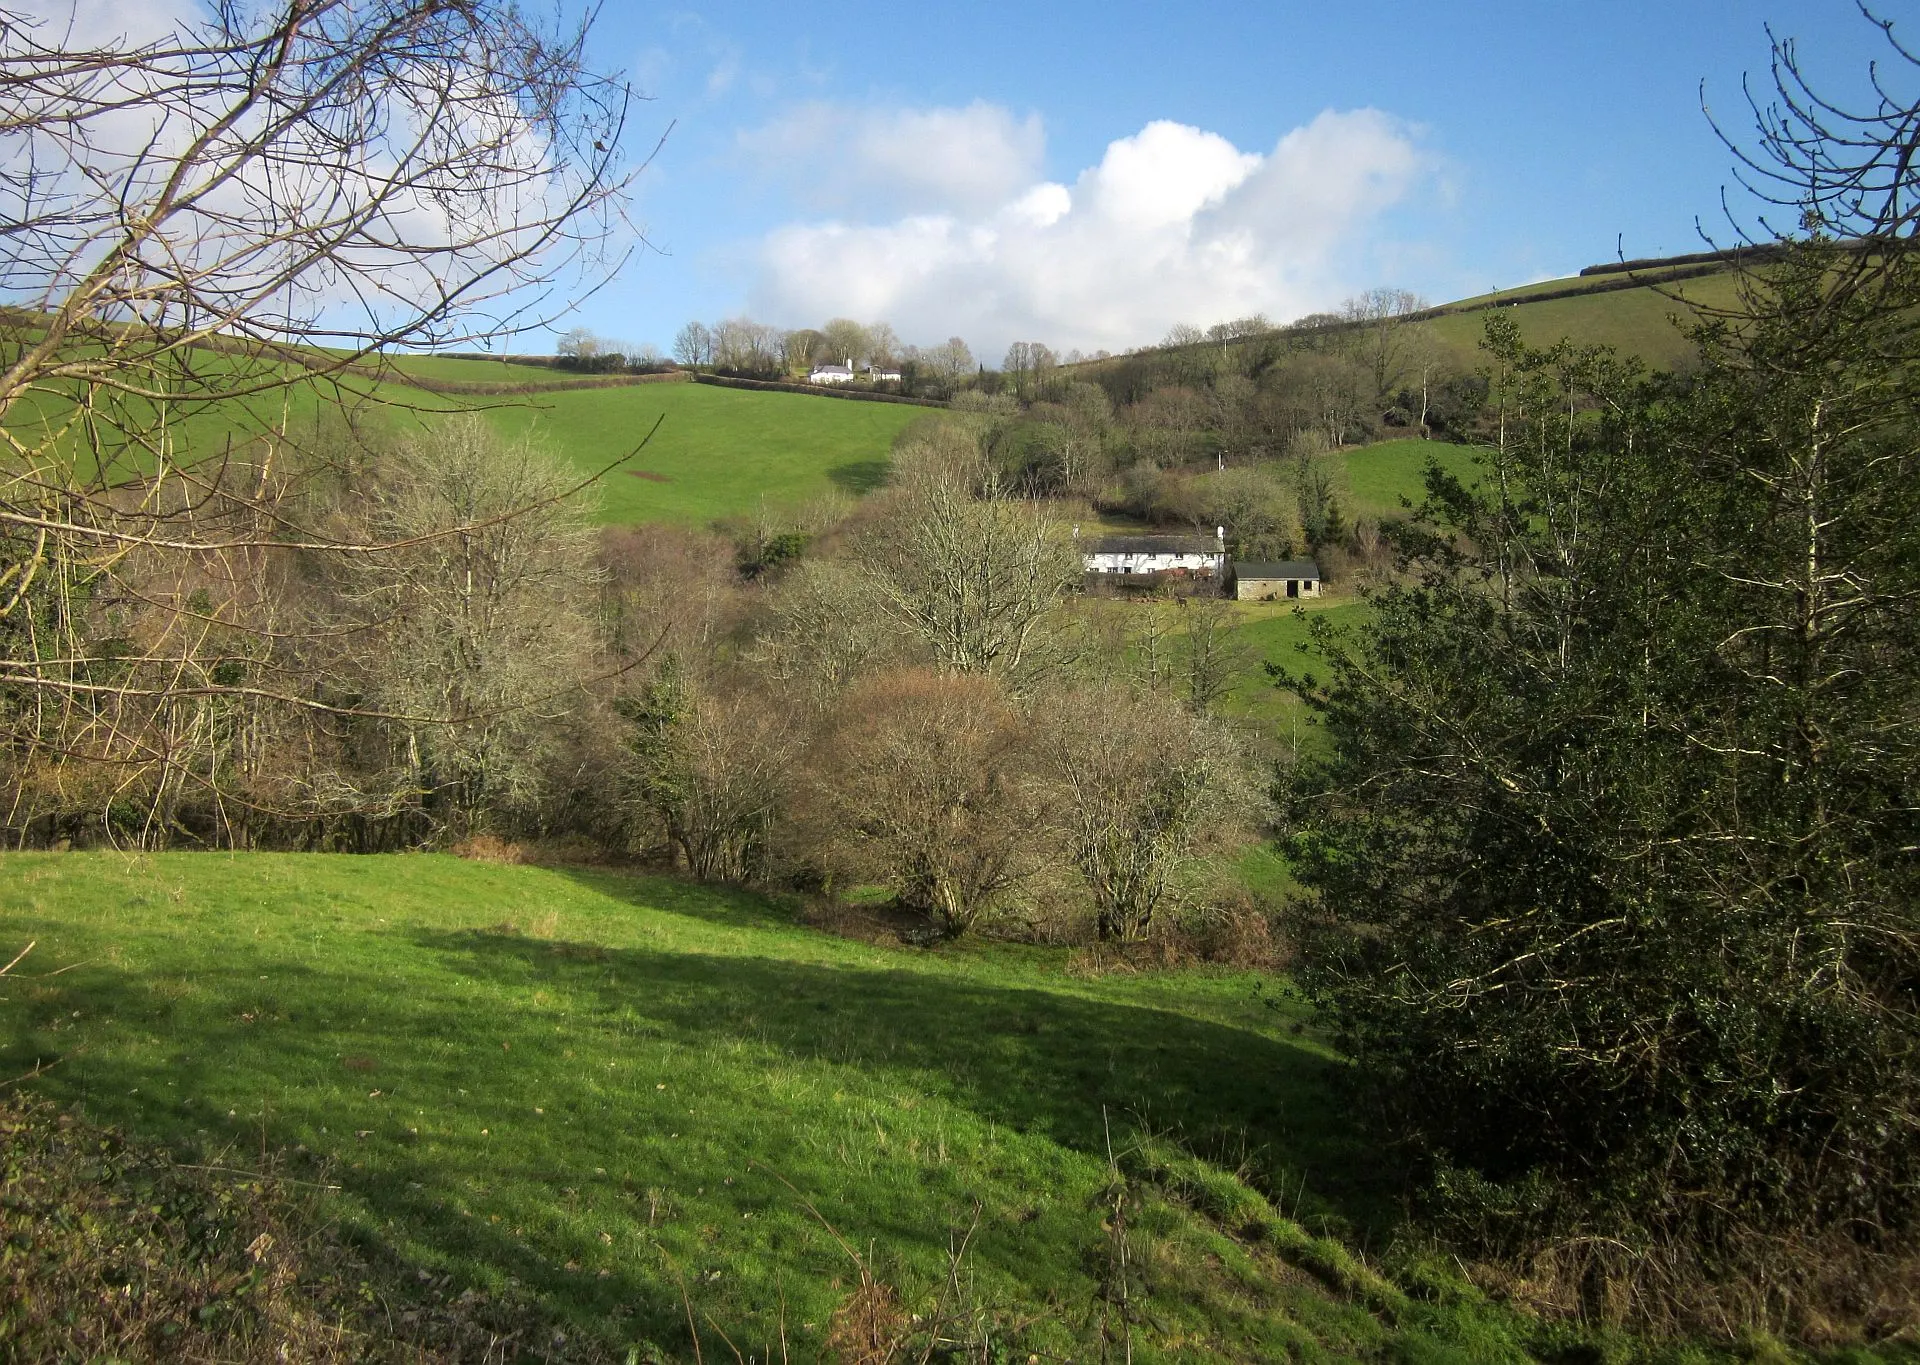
1027 1058
713 904
859 477
423 1093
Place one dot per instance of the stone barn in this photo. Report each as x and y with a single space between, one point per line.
1271 582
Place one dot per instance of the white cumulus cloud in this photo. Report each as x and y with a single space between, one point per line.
957 160
1174 224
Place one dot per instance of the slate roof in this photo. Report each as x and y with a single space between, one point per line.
1286 568
1154 545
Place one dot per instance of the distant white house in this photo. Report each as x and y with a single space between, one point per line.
832 374
1142 556
877 374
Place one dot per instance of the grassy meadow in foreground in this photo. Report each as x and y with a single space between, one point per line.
596 1084
597 1090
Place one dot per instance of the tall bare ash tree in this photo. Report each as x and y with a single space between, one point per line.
205 227
969 570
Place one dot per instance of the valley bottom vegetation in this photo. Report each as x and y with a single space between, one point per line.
457 908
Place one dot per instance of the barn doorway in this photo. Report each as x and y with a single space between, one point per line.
1293 587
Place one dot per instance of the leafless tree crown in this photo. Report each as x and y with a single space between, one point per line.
211 231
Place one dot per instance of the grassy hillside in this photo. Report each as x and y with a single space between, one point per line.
718 452
1384 478
1638 321
466 371
1280 633
605 1087
721 452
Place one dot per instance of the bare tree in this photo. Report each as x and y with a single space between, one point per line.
1381 315
485 612
712 763
830 624
1027 363
198 228
803 348
922 782
693 345
1141 787
577 343
968 568
748 346
1167 425
1080 425
883 344
951 360
1845 164
1213 654
846 341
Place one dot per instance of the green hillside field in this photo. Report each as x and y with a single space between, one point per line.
1387 478
1280 633
1648 321
605 1088
724 452
718 453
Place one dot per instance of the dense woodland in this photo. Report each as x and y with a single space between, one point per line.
1605 846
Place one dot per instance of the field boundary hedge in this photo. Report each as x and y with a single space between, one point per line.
817 390
396 375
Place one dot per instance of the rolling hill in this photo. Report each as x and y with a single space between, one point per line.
718 452
631 1099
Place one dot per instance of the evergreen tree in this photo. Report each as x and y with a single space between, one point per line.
1614 893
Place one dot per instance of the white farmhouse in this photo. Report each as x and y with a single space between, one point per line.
1141 557
832 374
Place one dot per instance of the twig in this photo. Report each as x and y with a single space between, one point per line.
254 1175
723 1335
17 957
39 1069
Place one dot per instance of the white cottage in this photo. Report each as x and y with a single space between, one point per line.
832 374
1139 557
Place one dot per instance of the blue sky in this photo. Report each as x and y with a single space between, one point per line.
954 169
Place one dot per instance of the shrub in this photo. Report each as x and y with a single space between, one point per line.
923 782
1611 853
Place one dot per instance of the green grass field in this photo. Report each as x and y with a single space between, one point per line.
718 453
596 1084
1384 479
1635 321
1280 633
474 371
